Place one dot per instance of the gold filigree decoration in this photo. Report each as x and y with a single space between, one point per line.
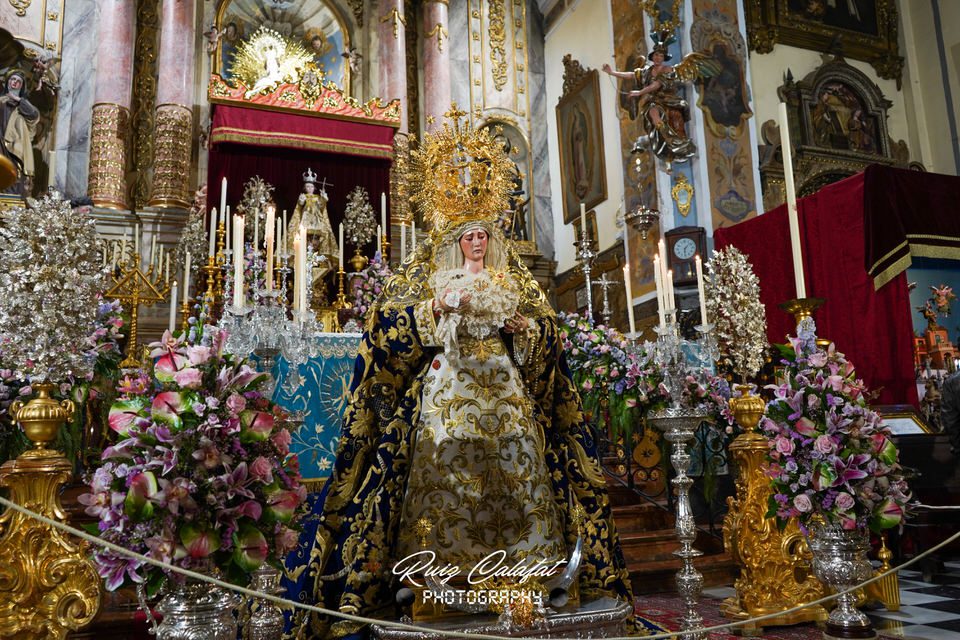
573 73
397 19
400 179
461 173
671 23
110 130
21 6
171 173
144 98
48 587
775 570
357 7
498 36
682 193
440 32
267 59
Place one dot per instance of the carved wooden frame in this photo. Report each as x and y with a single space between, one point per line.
772 21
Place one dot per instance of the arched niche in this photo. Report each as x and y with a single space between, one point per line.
319 25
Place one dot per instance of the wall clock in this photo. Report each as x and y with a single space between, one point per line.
683 244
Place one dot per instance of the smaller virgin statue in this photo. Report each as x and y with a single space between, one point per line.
18 122
664 110
311 212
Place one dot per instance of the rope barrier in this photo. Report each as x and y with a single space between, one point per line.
83 535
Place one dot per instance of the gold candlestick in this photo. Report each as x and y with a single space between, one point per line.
185 316
341 302
221 257
212 271
801 308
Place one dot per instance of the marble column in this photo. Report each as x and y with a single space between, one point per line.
436 63
110 130
174 132
393 64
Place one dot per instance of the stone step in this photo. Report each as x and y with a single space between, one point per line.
647 546
644 516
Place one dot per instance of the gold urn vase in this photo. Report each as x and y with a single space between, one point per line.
41 419
358 261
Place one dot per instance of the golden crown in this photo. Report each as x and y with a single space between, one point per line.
461 174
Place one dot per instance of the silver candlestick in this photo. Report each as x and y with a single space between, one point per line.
586 254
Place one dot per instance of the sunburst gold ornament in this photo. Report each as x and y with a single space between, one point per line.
267 59
460 174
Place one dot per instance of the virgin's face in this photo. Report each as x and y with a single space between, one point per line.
14 84
473 244
309 187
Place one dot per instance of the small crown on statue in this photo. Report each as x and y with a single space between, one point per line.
309 177
461 174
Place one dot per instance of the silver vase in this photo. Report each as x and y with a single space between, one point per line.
840 562
266 619
198 611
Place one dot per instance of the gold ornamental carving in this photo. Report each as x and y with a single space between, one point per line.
48 586
21 6
171 173
498 37
775 572
144 96
109 138
357 7
397 20
400 181
441 33
682 194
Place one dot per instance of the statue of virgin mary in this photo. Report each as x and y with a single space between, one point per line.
464 433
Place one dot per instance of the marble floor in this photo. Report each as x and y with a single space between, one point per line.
928 610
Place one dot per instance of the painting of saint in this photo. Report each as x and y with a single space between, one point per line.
723 94
853 15
228 48
580 132
840 120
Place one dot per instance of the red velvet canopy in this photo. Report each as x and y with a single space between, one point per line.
872 327
279 147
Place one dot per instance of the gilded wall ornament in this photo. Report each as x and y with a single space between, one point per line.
144 97
682 194
397 20
498 36
21 6
440 32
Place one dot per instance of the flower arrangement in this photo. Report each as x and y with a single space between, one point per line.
201 474
830 455
194 238
359 220
367 285
734 308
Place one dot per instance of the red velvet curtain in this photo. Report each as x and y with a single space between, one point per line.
284 169
873 328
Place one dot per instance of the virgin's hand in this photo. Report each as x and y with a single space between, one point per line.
516 323
302 198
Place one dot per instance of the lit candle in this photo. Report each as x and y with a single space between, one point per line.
223 194
791 203
172 321
658 279
583 222
701 291
212 249
268 236
186 278
629 289
403 241
413 235
341 246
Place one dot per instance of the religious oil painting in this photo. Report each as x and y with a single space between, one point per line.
724 95
315 25
582 172
841 120
853 15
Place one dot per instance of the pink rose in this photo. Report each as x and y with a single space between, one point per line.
281 440
236 403
198 354
802 503
784 445
844 501
262 470
188 378
285 541
824 444
805 426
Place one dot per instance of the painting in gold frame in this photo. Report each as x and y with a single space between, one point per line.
903 419
583 175
866 29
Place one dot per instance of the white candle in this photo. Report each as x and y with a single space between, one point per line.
278 241
116 254
268 236
136 243
223 194
383 210
380 240
171 323
238 292
186 278
296 271
212 249
256 231
791 203
629 289
52 166
123 246
166 269
403 241
626 244
413 235
671 299
583 222
228 232
658 279
286 231
701 291
303 269
341 247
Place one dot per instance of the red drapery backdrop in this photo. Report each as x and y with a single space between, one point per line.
872 327
282 159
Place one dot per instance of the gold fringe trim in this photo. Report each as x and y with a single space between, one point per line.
295 141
